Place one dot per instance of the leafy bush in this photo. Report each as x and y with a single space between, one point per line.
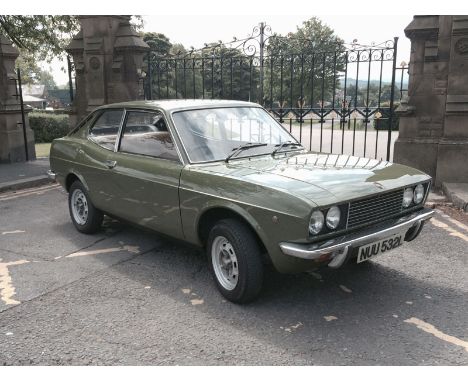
54 111
47 126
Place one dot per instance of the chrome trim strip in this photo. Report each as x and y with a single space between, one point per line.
314 251
97 113
339 259
146 110
119 132
51 175
347 215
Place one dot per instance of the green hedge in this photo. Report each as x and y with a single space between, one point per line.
54 111
47 127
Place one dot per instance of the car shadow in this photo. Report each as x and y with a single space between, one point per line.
353 315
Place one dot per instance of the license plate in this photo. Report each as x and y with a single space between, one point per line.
378 247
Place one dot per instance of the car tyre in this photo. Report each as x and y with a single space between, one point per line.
235 261
85 217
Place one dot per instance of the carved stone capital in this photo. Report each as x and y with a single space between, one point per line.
461 46
423 28
405 109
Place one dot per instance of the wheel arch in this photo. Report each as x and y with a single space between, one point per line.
72 177
211 215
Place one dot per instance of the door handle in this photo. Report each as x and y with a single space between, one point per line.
111 163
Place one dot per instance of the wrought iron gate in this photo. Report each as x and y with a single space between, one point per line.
19 97
341 100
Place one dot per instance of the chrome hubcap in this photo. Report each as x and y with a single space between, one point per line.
79 205
224 261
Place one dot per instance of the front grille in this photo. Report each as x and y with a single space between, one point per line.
374 209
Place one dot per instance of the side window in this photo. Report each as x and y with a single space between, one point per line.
146 133
106 128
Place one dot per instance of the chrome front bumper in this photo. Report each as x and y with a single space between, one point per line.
339 247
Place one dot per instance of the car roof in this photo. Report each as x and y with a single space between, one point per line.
180 104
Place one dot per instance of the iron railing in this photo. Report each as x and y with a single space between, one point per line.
19 97
338 100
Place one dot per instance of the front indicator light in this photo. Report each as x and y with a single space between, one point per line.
407 197
418 194
316 222
333 217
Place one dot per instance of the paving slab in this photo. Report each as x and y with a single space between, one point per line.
16 176
457 193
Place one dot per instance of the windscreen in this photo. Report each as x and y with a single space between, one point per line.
213 134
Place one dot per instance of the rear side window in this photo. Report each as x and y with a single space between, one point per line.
146 133
106 128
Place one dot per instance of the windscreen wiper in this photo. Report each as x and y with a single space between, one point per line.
285 144
237 150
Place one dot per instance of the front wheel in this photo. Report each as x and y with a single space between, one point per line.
85 217
235 261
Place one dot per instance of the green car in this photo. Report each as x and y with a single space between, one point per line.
227 177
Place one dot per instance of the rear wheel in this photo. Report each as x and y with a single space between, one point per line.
85 217
235 261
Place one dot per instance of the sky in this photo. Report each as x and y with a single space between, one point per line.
195 30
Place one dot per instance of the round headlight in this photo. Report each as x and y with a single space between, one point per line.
407 197
316 222
333 217
418 194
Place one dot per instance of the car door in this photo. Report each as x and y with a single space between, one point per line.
146 173
95 155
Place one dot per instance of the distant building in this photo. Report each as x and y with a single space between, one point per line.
59 98
35 95
39 97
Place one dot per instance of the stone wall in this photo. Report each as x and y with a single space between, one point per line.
434 118
12 147
108 57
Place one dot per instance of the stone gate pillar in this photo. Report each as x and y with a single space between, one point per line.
434 119
11 128
108 57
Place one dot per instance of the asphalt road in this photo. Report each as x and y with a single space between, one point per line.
125 296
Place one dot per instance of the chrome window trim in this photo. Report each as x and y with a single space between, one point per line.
82 122
147 110
98 113
119 133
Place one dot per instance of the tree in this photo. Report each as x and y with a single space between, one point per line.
45 36
31 73
159 44
228 73
162 78
29 69
304 67
46 78
41 36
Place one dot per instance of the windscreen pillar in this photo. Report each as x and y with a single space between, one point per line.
108 58
12 142
433 129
